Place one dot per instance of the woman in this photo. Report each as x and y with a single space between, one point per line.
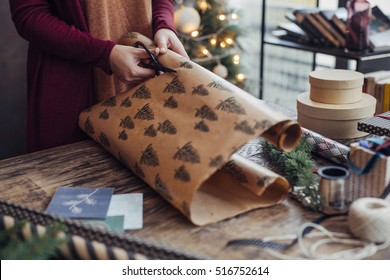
68 40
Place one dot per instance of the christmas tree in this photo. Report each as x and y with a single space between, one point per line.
209 32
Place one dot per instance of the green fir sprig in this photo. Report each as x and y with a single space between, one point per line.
297 167
37 247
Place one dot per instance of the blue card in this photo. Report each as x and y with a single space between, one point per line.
81 203
130 205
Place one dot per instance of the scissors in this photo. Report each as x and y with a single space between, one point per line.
156 65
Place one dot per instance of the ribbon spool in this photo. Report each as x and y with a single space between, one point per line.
369 219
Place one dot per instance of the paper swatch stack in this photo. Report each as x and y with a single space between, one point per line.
335 104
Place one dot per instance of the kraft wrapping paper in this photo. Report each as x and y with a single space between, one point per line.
179 132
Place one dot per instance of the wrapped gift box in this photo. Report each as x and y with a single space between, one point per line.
378 125
373 183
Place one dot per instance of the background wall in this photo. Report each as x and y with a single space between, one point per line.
13 99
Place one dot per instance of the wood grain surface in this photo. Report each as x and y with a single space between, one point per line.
31 180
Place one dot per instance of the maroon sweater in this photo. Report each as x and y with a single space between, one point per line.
61 58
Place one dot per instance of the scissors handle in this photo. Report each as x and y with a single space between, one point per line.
156 65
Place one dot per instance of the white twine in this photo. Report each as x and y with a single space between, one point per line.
368 221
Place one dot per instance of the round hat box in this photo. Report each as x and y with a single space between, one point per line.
336 86
335 121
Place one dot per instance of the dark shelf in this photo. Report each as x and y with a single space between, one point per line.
362 56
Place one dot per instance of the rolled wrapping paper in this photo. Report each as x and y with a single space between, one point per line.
327 147
369 219
179 131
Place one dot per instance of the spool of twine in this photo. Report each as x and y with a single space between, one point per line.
369 219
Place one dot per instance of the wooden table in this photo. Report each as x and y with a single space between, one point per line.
31 180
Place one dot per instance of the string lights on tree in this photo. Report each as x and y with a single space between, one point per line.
209 33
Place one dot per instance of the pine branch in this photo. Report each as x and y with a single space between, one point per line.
297 167
38 247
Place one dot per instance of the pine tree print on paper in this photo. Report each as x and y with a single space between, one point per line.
182 174
202 126
110 102
186 65
170 103
123 135
126 102
138 170
123 160
262 182
104 140
263 125
219 86
145 113
200 90
161 188
175 86
167 127
142 93
127 122
88 126
216 161
231 105
233 170
104 115
150 131
205 112
244 127
187 153
149 157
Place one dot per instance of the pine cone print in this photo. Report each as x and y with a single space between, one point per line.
167 127
219 86
182 174
202 126
187 153
186 65
127 122
262 182
244 127
126 102
145 113
231 105
104 140
170 103
150 131
138 170
123 135
161 188
175 86
233 170
264 125
205 112
149 157
200 90
216 162
142 92
104 115
110 102
88 126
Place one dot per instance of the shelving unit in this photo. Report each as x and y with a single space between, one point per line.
365 62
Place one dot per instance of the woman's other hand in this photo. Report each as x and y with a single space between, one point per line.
167 39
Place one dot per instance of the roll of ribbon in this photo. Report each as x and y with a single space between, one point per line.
369 219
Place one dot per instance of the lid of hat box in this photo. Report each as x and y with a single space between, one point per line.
336 79
349 111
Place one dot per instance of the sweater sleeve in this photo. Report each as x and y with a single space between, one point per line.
163 15
36 23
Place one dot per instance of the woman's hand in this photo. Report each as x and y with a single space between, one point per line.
167 39
125 63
